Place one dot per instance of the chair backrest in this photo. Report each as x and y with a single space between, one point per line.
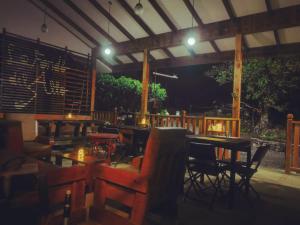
163 163
201 151
258 156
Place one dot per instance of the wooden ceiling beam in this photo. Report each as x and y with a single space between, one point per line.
212 58
229 9
245 25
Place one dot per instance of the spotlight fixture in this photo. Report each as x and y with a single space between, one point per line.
138 8
107 51
191 41
44 27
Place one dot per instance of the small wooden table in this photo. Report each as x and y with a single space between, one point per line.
235 145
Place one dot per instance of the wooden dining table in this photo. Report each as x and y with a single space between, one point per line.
234 145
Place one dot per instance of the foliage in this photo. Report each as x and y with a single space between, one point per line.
267 83
123 92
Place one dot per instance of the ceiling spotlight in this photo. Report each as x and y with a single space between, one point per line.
138 8
191 41
107 51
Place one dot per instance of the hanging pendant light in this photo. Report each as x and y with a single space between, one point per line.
108 50
44 27
191 39
138 8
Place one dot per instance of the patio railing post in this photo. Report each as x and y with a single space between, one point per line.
115 115
288 145
183 117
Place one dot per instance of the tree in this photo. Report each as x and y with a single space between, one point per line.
267 83
123 92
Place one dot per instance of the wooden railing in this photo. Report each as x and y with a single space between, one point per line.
109 116
198 125
292 145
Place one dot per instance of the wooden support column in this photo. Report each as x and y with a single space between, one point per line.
237 80
94 74
144 97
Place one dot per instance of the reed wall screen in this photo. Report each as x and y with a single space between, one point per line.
43 79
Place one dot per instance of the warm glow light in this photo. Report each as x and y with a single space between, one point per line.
107 51
191 41
218 127
69 116
80 155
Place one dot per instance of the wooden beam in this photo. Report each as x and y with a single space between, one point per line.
229 9
212 58
192 10
237 77
145 91
245 25
163 15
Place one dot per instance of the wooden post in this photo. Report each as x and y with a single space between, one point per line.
237 79
288 145
144 98
115 116
95 51
183 115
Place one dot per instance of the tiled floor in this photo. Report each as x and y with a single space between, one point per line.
279 205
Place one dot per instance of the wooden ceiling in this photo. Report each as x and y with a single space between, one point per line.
269 27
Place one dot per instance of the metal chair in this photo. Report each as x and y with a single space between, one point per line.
247 172
201 162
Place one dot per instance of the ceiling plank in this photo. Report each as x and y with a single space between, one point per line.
134 60
111 18
212 58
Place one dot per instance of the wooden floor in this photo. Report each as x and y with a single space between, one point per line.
279 205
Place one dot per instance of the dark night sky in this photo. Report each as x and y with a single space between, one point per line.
192 88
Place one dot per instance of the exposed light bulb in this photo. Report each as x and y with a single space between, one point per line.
138 9
107 51
191 41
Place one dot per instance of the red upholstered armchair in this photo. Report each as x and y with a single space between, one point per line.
134 191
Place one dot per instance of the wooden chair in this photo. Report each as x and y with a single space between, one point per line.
155 186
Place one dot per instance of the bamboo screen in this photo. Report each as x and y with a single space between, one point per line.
43 79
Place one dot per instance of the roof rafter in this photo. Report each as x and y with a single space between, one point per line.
146 28
211 58
195 15
232 15
244 25
75 26
270 10
93 24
